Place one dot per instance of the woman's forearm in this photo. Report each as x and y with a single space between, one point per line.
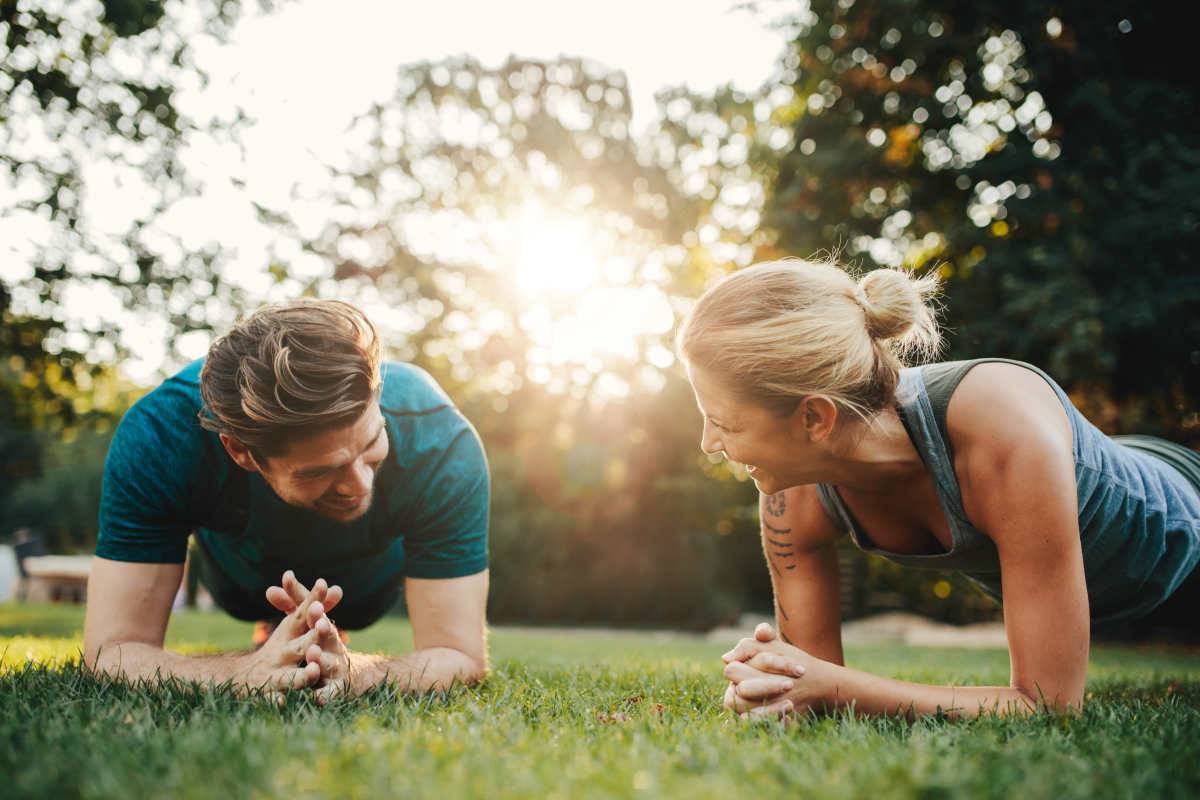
876 695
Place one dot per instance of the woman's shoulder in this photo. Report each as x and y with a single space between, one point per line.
1000 407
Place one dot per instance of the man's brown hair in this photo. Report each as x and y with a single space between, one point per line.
290 370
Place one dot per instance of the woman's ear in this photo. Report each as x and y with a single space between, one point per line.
815 418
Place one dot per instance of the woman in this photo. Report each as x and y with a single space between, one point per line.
981 466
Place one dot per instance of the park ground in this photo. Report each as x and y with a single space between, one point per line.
586 714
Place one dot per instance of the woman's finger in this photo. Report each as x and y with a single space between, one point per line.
780 665
758 690
778 710
730 697
763 632
743 650
737 671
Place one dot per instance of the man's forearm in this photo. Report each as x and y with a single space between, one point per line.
137 660
435 668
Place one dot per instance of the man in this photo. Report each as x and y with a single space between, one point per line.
291 451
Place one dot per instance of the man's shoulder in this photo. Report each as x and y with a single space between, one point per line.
423 420
175 399
409 391
166 419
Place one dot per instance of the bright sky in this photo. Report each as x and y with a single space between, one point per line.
306 70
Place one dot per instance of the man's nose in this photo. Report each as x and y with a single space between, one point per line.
357 479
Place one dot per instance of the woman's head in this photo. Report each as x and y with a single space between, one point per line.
774 334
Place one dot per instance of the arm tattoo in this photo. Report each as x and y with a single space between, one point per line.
773 529
779 543
776 504
784 636
779 608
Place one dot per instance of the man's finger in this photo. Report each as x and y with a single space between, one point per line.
316 611
296 590
331 690
328 636
299 646
332 597
299 618
757 690
278 597
780 665
332 666
296 677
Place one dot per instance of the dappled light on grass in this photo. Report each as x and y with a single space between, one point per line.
572 713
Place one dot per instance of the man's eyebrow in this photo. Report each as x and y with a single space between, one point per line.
317 469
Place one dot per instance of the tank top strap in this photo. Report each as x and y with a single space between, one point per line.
943 378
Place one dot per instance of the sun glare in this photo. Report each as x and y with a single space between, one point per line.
584 303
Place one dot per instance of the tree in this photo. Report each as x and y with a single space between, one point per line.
510 235
1044 158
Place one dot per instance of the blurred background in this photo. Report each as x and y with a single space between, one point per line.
525 197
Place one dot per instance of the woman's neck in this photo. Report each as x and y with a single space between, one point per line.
876 457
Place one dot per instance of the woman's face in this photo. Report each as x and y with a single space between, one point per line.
750 434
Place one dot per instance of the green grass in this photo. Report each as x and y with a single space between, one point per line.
543 726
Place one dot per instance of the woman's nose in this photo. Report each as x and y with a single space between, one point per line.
710 443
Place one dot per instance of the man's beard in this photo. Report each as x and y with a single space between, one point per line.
346 514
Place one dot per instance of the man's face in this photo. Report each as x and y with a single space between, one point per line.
331 473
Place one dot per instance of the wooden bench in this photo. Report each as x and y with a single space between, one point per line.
55 579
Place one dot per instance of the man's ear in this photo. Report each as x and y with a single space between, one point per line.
240 453
815 417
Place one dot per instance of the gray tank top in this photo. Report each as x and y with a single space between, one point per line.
1139 502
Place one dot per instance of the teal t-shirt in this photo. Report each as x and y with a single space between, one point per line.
166 477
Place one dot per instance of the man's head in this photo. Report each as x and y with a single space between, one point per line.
293 392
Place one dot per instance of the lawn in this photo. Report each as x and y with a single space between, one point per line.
571 715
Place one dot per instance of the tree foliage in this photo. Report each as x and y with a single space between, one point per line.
1044 158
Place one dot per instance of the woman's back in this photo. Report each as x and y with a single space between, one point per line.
1138 501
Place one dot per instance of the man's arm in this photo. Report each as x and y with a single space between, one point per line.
449 638
128 607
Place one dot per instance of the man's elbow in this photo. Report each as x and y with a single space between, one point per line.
105 657
101 656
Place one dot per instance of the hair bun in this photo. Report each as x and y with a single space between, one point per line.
897 309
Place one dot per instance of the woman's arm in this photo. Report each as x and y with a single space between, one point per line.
799 543
1016 470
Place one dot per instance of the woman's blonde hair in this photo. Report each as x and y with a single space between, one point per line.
290 370
777 332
